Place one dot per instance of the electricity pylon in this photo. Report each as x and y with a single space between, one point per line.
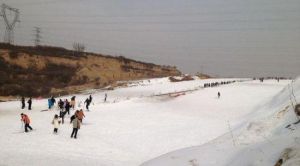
10 24
37 39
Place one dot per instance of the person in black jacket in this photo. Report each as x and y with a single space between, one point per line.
23 102
105 97
67 107
61 105
62 114
87 103
29 103
90 98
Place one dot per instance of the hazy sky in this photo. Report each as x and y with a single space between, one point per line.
218 37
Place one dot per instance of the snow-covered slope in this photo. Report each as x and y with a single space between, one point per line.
261 141
145 120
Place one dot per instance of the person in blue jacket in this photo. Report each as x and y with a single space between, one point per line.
49 103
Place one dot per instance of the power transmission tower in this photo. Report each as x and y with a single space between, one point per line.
37 35
10 25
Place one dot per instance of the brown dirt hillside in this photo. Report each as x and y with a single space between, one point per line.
44 71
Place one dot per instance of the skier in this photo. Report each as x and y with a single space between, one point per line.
80 115
53 101
73 102
105 97
29 103
62 114
56 123
23 102
61 105
219 95
90 98
88 102
76 126
49 104
67 106
26 121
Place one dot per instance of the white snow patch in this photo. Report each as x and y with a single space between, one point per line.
137 124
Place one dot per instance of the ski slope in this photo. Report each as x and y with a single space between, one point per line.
142 121
261 140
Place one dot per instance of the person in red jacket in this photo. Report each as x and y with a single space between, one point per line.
80 115
26 121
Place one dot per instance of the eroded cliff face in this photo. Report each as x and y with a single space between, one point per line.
43 71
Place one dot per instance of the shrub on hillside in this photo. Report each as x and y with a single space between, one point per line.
124 60
184 78
10 89
13 54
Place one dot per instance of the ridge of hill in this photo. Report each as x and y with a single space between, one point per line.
45 70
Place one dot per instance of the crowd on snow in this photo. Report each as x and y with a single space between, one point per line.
64 107
214 84
261 79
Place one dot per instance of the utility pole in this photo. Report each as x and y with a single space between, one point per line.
37 35
10 25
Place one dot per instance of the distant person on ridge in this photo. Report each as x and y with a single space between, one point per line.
29 103
26 121
219 95
23 102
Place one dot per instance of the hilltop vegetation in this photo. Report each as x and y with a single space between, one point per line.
44 70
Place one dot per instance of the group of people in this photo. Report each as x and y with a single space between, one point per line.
213 84
75 119
261 79
64 108
29 102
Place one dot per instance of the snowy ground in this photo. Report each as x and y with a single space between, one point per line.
139 123
260 141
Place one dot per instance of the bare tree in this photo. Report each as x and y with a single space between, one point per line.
78 48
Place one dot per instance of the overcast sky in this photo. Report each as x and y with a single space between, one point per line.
218 37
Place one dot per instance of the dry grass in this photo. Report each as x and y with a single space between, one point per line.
51 70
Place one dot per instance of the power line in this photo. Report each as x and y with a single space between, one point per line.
37 3
181 14
168 22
